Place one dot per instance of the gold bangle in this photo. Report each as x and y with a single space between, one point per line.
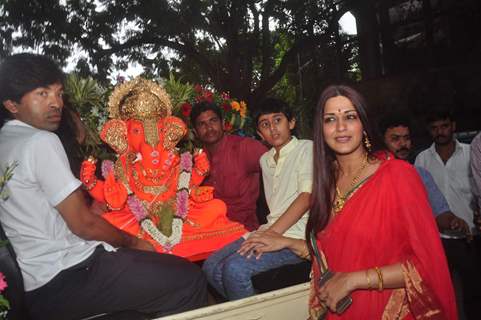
368 280
380 281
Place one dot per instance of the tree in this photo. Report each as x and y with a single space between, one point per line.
231 44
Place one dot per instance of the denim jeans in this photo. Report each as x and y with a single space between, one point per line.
230 273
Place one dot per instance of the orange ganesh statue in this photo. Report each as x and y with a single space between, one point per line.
151 190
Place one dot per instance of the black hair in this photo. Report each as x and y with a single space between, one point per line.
440 113
204 106
68 133
24 72
324 176
272 105
394 119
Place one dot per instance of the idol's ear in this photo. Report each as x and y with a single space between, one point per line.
174 130
114 133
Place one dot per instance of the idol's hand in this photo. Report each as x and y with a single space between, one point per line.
201 163
87 173
338 287
202 194
115 193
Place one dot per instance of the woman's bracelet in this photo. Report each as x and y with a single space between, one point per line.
380 281
368 279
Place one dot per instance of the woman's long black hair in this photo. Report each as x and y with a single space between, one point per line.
324 180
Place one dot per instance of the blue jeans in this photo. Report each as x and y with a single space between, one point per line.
230 273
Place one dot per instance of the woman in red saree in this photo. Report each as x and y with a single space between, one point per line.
372 223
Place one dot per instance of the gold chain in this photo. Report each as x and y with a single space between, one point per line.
340 200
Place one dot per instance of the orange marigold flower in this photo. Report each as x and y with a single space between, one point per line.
235 105
243 109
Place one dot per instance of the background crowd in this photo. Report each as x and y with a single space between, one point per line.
377 229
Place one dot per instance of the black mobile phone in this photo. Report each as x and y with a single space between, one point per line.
342 304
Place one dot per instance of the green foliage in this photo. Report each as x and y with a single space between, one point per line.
185 95
7 174
240 47
166 216
87 97
179 92
4 307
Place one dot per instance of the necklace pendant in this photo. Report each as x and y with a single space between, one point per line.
338 204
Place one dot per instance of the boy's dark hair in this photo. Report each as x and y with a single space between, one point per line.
24 72
392 120
272 105
204 106
440 113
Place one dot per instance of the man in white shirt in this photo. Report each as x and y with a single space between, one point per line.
476 172
66 254
448 162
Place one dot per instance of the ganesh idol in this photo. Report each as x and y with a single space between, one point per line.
152 190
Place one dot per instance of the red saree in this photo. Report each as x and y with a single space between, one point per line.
388 220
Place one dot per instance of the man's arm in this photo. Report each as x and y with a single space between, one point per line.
476 172
293 213
252 150
445 219
89 226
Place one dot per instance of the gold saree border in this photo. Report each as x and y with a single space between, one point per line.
416 298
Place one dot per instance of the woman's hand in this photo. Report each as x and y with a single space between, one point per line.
338 287
263 241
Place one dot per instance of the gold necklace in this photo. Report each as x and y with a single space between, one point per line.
340 200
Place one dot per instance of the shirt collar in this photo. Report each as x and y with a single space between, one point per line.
457 147
285 150
16 122
220 147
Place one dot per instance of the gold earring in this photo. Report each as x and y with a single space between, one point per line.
367 143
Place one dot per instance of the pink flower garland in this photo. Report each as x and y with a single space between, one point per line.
137 208
186 162
182 201
182 204
3 283
107 168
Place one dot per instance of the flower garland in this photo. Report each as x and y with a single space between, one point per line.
182 201
182 208
235 113
4 303
4 178
167 242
